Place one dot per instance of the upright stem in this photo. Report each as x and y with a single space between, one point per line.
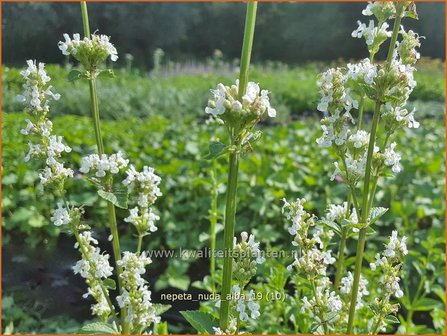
99 142
250 20
85 22
95 115
365 214
213 222
230 207
230 216
341 248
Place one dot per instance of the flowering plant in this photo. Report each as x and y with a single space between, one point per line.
362 159
105 172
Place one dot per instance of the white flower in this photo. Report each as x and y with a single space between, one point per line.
82 267
36 95
146 183
346 287
359 139
54 173
254 101
96 48
144 219
104 164
136 296
371 33
60 216
392 158
334 303
216 105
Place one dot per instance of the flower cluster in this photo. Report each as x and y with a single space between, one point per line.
69 216
245 301
37 94
314 259
101 165
50 148
94 267
407 47
246 256
90 52
239 113
136 296
346 288
343 90
374 36
146 185
390 263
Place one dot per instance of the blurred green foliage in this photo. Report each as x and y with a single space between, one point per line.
286 32
173 95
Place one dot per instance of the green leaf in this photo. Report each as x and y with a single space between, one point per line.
109 283
161 328
391 319
376 213
216 149
334 226
97 328
201 321
180 282
426 304
74 75
108 73
161 308
118 197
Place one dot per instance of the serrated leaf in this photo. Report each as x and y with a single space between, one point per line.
97 328
216 149
161 308
109 283
117 197
201 321
376 213
74 75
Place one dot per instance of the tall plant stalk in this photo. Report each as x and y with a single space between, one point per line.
230 208
100 145
213 223
368 193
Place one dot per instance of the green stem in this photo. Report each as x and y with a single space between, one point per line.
367 197
99 142
230 207
95 114
377 325
140 242
230 216
250 20
213 222
361 108
341 248
365 214
85 22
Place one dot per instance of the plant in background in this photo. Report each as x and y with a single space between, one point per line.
363 158
103 171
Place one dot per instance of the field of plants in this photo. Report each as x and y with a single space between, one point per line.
157 118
